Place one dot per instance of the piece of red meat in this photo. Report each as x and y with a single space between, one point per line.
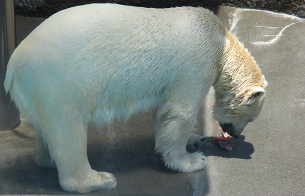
224 141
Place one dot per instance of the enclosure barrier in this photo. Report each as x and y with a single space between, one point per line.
9 114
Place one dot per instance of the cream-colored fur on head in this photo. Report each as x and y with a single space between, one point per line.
93 63
239 88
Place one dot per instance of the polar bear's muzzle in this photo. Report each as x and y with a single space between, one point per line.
230 129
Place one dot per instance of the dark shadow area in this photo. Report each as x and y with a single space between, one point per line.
126 156
241 149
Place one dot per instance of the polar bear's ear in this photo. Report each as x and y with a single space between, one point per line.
256 93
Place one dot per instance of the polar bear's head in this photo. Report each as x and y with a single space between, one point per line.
234 112
239 88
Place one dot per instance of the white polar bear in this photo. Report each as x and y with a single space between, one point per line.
93 63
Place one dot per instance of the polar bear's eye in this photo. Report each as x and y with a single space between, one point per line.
257 93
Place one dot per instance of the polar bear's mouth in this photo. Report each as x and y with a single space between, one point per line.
230 129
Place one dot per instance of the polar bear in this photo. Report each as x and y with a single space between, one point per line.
93 63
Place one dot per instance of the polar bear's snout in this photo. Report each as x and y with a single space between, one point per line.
230 129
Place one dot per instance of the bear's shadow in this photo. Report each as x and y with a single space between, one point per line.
134 153
124 148
241 149
118 155
124 155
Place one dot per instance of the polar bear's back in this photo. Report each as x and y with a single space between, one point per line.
96 25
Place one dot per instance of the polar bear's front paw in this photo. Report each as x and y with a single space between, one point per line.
96 181
186 162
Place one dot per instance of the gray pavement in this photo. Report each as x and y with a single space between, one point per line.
268 159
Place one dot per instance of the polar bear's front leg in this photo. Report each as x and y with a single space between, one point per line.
68 147
172 133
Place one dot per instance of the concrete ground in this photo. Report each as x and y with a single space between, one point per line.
268 159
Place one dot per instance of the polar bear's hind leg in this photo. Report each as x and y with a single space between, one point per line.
67 144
